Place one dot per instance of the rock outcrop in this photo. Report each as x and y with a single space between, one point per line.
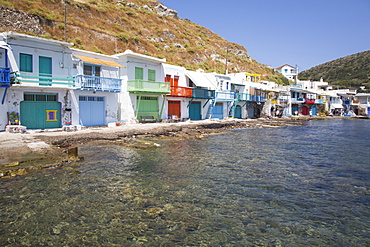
18 21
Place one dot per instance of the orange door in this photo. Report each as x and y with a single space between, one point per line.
174 108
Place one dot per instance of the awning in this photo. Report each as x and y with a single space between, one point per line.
335 106
99 61
199 79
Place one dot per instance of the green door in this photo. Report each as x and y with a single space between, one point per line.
147 106
45 70
195 110
40 111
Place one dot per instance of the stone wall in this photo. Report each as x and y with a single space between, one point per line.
18 21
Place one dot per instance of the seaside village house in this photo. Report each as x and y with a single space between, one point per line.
203 94
54 85
363 103
145 97
290 72
177 105
97 86
41 81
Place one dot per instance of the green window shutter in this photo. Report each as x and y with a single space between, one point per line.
139 73
151 75
25 62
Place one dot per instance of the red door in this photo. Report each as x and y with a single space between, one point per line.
174 108
304 110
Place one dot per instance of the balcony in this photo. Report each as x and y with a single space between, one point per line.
153 87
258 98
4 77
225 96
202 93
32 79
177 91
95 83
244 97
310 101
297 100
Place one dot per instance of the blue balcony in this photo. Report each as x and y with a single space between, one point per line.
258 98
95 83
244 97
202 93
4 77
225 96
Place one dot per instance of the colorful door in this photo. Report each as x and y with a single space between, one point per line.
151 75
218 111
195 110
174 108
92 110
40 111
147 106
304 110
314 111
368 111
250 111
238 112
45 70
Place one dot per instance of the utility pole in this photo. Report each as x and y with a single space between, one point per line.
227 54
65 20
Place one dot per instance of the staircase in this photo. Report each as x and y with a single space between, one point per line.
212 104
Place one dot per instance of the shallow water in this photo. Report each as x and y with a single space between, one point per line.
290 186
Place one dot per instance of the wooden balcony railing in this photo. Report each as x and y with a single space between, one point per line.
176 91
225 96
140 86
43 79
202 93
4 77
95 83
244 96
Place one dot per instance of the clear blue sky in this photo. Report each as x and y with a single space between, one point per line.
277 32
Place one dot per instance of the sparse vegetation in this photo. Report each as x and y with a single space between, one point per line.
105 26
349 71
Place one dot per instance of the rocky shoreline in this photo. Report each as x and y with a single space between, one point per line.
40 150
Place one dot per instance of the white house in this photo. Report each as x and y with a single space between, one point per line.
41 81
144 90
290 72
97 86
180 94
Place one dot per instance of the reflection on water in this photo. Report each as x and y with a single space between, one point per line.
291 186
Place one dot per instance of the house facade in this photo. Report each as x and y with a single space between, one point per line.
41 81
144 89
180 93
290 72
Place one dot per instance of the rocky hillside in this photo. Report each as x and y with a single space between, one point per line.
350 71
143 26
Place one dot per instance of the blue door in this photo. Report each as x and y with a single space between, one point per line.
314 111
218 111
45 70
238 112
92 110
368 111
195 112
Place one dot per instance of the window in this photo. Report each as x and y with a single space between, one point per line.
151 75
25 62
92 70
51 115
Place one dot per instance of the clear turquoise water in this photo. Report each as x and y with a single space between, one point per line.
292 186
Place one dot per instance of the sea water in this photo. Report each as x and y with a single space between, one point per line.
289 186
